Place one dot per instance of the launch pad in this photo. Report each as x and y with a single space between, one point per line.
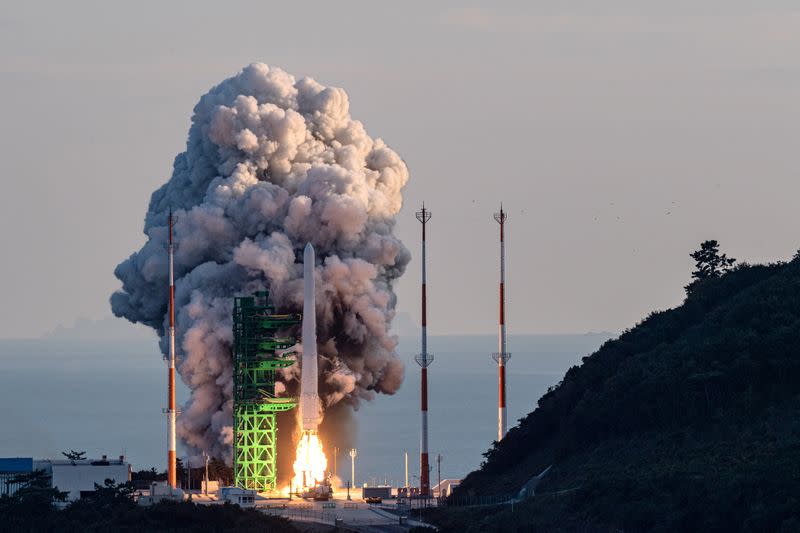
257 353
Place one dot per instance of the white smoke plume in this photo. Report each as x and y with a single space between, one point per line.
272 163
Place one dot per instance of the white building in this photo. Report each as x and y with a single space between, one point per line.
445 488
10 468
238 496
76 478
160 491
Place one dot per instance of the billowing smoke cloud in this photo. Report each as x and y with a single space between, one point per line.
272 163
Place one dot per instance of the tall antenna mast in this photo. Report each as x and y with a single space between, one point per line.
423 360
405 456
501 356
353 454
171 472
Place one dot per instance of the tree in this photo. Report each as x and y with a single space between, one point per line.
110 507
217 469
149 475
72 455
106 497
709 264
35 487
33 501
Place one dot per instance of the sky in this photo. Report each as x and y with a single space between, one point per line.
618 135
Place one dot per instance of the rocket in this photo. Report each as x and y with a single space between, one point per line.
309 397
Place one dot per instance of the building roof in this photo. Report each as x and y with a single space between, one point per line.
87 462
447 483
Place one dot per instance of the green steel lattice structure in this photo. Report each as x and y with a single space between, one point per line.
258 352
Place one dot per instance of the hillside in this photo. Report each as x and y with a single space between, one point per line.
688 421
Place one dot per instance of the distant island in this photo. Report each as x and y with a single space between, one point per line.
689 421
108 328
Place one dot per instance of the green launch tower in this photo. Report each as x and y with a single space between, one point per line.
257 353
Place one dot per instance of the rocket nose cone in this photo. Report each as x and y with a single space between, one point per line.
308 254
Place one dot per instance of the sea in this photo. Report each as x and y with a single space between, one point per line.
106 396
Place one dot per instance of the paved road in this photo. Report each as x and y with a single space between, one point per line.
355 515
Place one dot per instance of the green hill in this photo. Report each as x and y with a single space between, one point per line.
689 421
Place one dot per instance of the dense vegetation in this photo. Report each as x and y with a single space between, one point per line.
217 471
689 421
111 508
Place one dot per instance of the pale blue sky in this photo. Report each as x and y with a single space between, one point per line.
618 134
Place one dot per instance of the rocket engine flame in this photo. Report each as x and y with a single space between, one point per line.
271 163
310 462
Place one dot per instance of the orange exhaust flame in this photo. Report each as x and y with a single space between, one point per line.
310 462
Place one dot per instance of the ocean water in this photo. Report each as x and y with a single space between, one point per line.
106 397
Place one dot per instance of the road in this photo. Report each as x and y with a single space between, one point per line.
354 515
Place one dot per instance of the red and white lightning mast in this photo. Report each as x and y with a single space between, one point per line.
423 360
502 356
171 473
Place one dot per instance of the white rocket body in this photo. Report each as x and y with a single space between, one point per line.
309 396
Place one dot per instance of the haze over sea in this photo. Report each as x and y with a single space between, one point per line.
105 396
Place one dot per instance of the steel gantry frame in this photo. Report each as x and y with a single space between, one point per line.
258 351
